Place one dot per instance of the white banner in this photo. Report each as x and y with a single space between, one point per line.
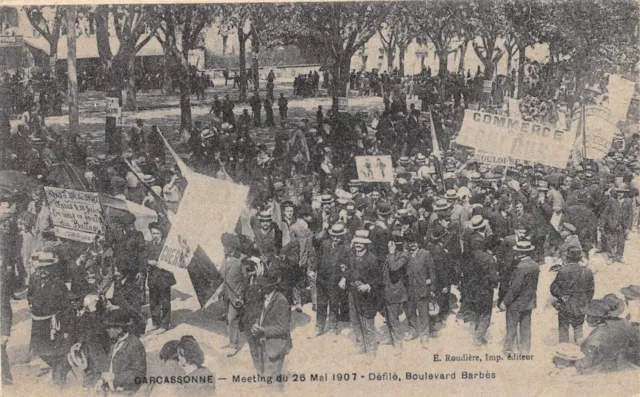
374 168
209 208
620 93
600 128
519 139
75 215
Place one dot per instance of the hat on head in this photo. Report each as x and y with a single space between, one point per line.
402 213
543 185
403 159
226 126
451 194
191 350
631 292
574 254
441 205
355 183
608 306
230 241
305 210
478 221
265 216
338 229
326 199
622 188
206 134
148 179
384 208
524 246
278 186
169 350
569 227
45 259
438 232
362 237
474 176
397 237
118 318
421 157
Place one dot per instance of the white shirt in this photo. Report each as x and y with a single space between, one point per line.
117 348
267 300
555 220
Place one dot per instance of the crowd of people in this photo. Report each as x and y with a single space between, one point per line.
443 239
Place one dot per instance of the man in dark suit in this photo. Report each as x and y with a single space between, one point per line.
364 282
420 271
445 270
585 221
395 290
574 287
127 357
234 286
328 272
159 281
6 314
323 220
521 299
616 221
272 328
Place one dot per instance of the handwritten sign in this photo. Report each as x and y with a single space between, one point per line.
343 104
600 130
516 138
374 168
75 215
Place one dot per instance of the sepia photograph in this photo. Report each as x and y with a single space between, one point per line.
351 198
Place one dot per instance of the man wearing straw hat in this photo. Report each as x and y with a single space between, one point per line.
363 280
521 299
329 270
50 310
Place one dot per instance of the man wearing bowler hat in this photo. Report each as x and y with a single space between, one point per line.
271 329
521 299
574 288
616 221
127 357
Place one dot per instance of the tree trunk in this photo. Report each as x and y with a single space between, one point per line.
401 51
185 95
131 82
340 77
255 66
242 41
463 53
224 45
167 69
390 57
443 62
509 59
521 59
72 86
102 38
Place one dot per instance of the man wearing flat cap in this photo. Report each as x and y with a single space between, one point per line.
573 287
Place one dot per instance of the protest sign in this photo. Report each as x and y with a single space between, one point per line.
621 91
600 130
374 168
519 139
75 215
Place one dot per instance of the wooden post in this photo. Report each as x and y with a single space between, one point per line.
72 84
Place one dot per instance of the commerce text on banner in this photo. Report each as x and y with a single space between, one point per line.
519 139
75 215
